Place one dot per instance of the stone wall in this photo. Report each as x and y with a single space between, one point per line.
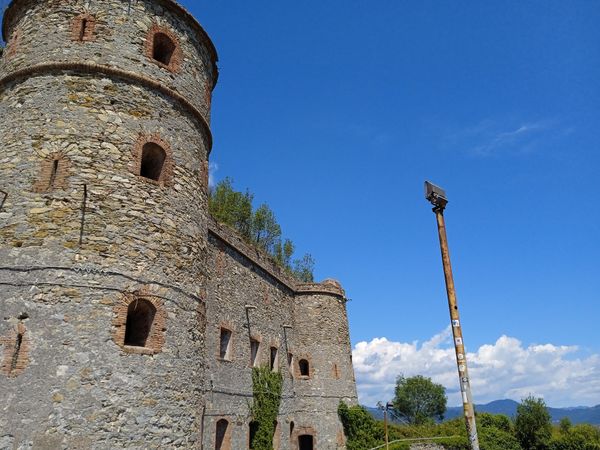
86 242
116 286
255 300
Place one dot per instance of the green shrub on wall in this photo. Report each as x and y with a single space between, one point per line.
266 388
361 430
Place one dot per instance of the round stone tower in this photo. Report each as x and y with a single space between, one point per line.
104 138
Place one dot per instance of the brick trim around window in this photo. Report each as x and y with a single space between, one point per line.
15 356
166 176
156 336
83 27
176 58
53 174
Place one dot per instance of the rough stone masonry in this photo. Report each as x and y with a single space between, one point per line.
128 317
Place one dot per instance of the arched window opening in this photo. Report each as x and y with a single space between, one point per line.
290 359
225 344
140 317
276 435
305 442
253 429
153 161
254 347
82 28
304 367
16 352
222 439
163 48
53 173
292 428
273 360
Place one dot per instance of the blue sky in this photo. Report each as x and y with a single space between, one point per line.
334 113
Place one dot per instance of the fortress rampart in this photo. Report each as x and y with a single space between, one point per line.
117 288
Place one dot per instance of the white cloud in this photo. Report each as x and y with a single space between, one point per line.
488 137
505 369
212 169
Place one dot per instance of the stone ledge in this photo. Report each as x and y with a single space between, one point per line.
92 69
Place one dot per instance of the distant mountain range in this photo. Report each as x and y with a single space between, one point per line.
579 414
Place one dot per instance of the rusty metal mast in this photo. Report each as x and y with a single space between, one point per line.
438 199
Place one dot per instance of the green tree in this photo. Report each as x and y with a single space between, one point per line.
258 227
533 427
361 430
232 207
265 231
283 253
418 399
565 425
303 268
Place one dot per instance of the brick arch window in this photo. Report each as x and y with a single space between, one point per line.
306 442
15 357
53 174
252 431
163 48
304 368
223 435
83 27
153 160
140 317
139 324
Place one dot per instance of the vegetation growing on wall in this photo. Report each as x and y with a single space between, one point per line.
361 430
258 227
266 387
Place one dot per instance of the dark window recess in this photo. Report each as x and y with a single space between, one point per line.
83 28
53 173
15 357
253 430
153 161
220 434
291 428
304 367
140 317
273 358
225 344
163 48
305 442
254 345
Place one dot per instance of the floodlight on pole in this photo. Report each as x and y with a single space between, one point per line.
437 197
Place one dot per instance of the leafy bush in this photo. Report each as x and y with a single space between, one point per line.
361 430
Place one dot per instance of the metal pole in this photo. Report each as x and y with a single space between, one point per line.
461 357
387 444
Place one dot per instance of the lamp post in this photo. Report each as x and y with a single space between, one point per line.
438 199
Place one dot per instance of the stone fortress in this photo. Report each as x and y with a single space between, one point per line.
128 317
